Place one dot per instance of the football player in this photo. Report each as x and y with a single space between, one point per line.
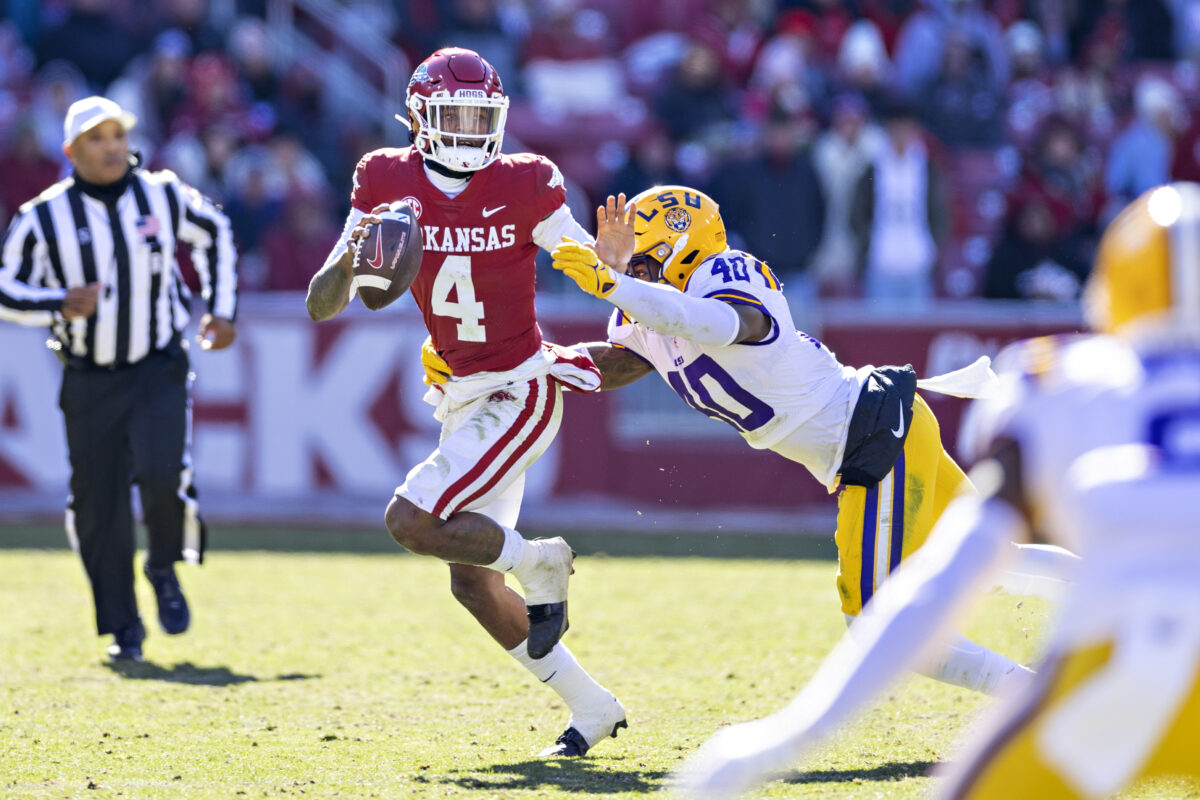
714 323
1094 442
483 215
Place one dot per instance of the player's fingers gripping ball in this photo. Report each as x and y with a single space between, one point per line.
436 368
583 266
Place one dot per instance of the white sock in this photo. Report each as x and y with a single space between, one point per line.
513 553
559 670
961 662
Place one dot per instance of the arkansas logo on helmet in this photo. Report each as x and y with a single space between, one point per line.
457 109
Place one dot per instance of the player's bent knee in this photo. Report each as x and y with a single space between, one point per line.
411 527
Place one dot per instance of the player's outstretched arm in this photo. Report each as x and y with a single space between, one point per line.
618 366
907 618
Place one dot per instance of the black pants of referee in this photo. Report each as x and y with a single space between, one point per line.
124 426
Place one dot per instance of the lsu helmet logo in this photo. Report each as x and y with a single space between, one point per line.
678 220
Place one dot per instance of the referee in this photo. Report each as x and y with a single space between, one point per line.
93 258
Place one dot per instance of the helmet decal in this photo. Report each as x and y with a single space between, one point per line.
678 220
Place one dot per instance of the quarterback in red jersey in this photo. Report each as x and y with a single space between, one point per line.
483 215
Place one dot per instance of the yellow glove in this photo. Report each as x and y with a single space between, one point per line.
584 267
436 368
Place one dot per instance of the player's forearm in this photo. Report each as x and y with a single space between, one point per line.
329 289
618 367
703 321
909 616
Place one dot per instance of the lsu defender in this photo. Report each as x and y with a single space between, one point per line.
483 215
1093 442
715 325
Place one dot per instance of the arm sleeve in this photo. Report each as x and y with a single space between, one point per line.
204 226
549 233
910 615
704 321
22 268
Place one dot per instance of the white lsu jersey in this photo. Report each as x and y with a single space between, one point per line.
1109 435
787 383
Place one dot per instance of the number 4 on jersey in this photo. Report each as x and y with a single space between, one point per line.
456 274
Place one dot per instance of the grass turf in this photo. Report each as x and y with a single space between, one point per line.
356 675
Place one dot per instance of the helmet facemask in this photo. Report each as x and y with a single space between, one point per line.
463 132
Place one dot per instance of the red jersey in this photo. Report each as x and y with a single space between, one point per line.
476 283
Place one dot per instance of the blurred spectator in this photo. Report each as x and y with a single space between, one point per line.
154 86
773 202
899 214
840 156
56 85
255 201
651 163
192 17
1145 27
563 31
695 98
788 68
828 20
962 104
250 49
735 30
478 25
293 246
1033 261
919 48
93 38
1062 173
863 67
26 168
1096 93
1141 155
1031 92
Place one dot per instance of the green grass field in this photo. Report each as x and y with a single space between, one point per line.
356 675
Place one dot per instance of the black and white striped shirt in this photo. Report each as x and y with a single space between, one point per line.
67 237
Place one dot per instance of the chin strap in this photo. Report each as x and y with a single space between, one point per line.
442 169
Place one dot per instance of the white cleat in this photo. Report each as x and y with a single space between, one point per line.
545 588
587 730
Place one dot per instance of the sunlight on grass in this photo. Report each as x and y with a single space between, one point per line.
357 675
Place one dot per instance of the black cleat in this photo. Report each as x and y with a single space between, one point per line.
173 613
571 744
547 624
127 643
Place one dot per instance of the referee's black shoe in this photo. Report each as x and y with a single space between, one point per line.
173 614
127 643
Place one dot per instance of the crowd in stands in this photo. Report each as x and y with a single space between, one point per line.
893 149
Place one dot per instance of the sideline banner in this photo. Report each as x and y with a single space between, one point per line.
306 421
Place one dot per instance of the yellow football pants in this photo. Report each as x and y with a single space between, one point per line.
1006 763
878 527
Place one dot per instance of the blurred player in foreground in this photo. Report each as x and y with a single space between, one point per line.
483 216
715 325
1093 441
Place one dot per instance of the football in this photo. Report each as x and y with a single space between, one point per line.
388 258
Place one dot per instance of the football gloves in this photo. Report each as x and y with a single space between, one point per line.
436 368
583 266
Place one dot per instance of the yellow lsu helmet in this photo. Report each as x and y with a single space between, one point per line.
1148 261
674 230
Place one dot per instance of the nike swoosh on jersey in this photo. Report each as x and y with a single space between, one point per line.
898 432
487 212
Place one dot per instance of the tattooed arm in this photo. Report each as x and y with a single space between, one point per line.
329 290
618 366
